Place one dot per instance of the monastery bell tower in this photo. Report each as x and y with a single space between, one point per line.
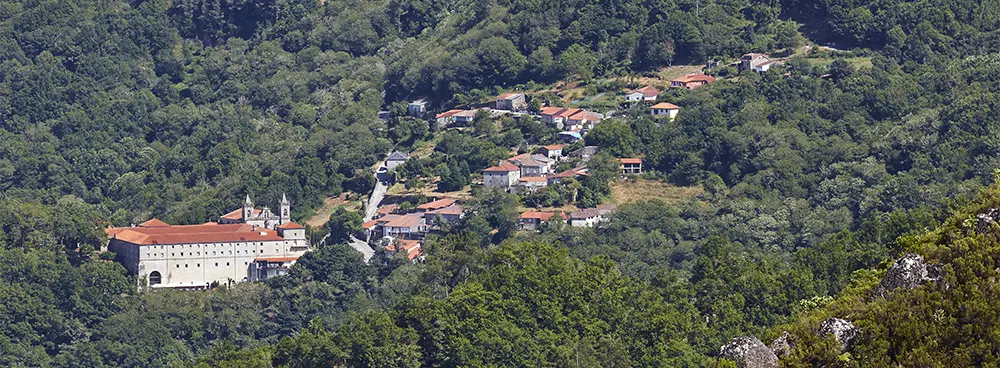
285 209
247 209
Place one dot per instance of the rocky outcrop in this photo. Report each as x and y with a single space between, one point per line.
986 220
783 345
908 273
749 352
842 330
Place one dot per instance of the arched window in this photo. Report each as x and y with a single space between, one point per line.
154 278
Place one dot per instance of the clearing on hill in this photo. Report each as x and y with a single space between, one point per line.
632 190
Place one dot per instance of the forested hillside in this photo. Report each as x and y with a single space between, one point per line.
113 112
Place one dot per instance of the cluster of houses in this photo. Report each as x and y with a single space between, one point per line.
403 232
531 172
587 217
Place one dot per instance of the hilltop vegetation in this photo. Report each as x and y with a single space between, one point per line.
112 112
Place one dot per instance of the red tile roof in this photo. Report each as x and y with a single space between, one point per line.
666 105
186 234
557 112
648 91
630 160
369 225
438 204
155 222
446 114
237 214
555 147
405 221
290 225
387 209
568 174
543 216
503 167
695 78
450 210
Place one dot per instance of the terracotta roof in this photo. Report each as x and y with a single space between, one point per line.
438 204
387 209
414 252
237 214
519 157
466 114
648 91
530 162
290 225
695 78
630 160
560 111
567 174
211 223
666 105
369 225
186 234
585 115
405 221
555 147
386 219
275 259
503 167
450 210
446 114
155 222
543 216
404 244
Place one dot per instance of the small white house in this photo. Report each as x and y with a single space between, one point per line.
665 109
417 108
395 159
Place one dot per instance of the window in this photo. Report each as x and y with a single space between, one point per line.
173 254
178 266
185 265
154 278
216 264
198 265
227 263
182 254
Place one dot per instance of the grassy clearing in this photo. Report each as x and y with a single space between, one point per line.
856 62
429 190
350 201
625 191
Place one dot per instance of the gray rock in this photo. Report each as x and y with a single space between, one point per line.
842 330
783 345
908 272
749 352
986 220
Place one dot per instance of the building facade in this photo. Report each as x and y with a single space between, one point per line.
195 256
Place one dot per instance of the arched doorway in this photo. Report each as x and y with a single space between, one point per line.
154 278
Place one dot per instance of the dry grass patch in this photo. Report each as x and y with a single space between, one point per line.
330 204
632 190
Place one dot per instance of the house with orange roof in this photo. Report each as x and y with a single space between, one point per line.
665 109
692 81
553 151
532 219
436 204
503 176
445 118
451 214
406 227
532 183
410 247
557 116
512 101
582 120
630 166
647 93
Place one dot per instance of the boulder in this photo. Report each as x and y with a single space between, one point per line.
842 330
908 272
749 352
783 345
986 220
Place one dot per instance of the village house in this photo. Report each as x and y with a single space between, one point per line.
533 183
585 153
251 245
552 151
395 159
752 61
464 117
503 176
523 158
411 248
557 116
588 217
511 101
571 173
451 214
692 81
410 226
386 209
446 118
532 219
630 166
765 66
368 230
436 204
666 109
583 120
647 93
417 108
531 167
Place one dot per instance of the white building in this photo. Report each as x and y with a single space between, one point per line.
417 108
195 256
511 101
588 217
666 109
504 176
395 159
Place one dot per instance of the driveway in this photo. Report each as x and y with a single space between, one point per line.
362 247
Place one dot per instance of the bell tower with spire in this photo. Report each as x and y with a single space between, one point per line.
285 210
247 209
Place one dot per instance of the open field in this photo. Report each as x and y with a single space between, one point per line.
330 204
429 190
625 191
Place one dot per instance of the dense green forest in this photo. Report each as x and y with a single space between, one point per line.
816 176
